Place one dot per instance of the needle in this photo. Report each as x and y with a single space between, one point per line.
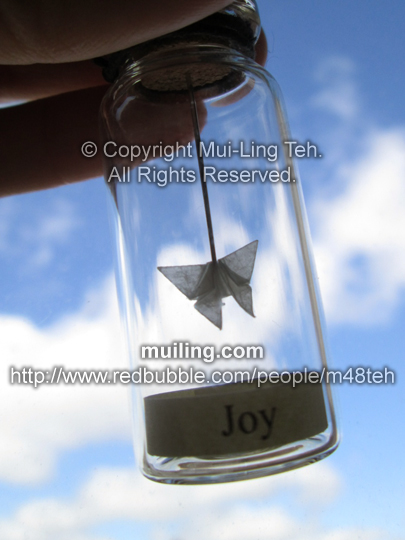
197 138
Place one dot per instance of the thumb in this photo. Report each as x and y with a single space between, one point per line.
57 31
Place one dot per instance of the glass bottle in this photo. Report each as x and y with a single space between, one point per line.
215 273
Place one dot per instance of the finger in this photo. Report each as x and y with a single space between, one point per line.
49 152
43 80
42 141
24 83
38 81
56 31
261 50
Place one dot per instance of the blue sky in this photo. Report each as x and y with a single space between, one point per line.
66 467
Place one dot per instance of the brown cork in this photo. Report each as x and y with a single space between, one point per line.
175 79
236 27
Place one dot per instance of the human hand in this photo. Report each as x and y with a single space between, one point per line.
45 52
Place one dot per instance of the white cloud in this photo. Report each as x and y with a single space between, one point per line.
360 245
123 494
338 94
37 424
243 523
361 534
54 223
50 230
237 511
34 244
357 214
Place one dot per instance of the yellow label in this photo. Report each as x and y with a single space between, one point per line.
232 419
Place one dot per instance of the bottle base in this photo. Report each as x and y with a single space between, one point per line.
241 467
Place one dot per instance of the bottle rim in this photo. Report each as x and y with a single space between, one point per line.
194 55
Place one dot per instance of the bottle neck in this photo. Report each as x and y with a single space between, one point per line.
236 27
210 68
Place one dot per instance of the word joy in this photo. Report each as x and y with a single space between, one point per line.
249 422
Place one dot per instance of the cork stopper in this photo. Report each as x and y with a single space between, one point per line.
236 27
175 78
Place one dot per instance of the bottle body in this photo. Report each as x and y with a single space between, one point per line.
215 273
